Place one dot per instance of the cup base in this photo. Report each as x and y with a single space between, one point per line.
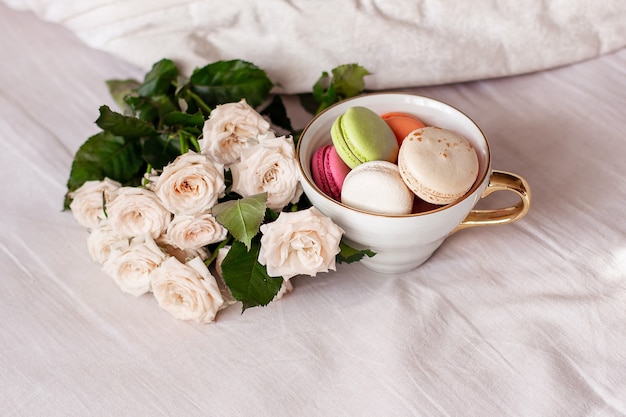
400 261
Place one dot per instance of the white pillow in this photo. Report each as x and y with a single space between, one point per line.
402 43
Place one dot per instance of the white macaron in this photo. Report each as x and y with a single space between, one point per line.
377 187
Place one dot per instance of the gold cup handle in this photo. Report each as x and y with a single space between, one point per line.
500 181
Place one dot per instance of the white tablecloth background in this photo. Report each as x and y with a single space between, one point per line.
527 319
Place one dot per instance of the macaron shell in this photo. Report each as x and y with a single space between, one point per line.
328 171
377 187
438 165
360 135
402 124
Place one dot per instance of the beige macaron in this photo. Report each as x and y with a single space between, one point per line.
438 165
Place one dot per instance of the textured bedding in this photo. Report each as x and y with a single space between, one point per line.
402 43
526 319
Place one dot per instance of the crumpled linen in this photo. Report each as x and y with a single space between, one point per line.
526 319
402 43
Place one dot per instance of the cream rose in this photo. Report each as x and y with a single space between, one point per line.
183 255
103 240
270 167
131 267
231 128
191 184
187 291
89 200
301 242
134 211
192 232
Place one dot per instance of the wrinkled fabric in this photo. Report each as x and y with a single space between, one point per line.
527 319
402 43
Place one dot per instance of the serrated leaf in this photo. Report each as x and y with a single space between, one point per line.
230 81
346 81
160 150
184 119
119 125
190 102
105 155
277 113
164 106
271 215
141 107
309 102
152 109
242 217
348 254
322 87
119 90
160 79
246 279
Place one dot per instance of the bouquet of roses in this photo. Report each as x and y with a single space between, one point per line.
191 194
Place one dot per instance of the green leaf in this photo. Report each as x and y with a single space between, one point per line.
348 254
152 109
214 249
119 90
190 102
271 215
184 119
246 278
277 113
346 81
105 155
160 150
230 81
141 107
164 106
242 217
309 102
323 88
160 80
119 125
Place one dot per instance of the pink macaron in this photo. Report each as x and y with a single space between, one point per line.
329 171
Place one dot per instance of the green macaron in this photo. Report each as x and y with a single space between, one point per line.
360 135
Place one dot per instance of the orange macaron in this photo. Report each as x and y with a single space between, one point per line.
402 124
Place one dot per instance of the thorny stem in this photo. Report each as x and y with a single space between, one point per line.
194 142
184 144
200 102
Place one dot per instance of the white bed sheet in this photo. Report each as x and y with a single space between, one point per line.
400 42
527 319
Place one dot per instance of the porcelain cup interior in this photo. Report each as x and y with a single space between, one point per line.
401 243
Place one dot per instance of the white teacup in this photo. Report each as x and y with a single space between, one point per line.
402 243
